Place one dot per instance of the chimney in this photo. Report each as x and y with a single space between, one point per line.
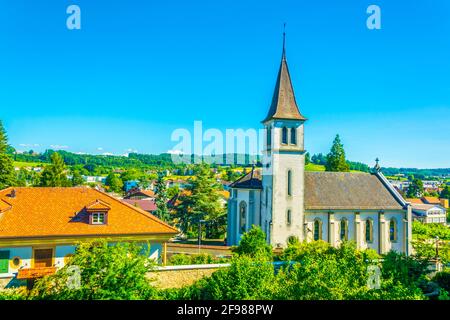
13 193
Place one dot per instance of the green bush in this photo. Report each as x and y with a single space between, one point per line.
253 244
106 272
443 280
13 294
246 278
202 258
179 259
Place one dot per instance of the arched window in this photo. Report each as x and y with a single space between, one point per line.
293 136
343 230
369 230
242 216
317 229
284 135
269 138
393 230
289 183
288 217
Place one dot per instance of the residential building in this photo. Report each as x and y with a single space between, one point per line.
429 213
40 228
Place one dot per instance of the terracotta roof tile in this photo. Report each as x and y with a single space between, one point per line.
431 200
41 212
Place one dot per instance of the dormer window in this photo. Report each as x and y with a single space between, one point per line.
98 218
98 212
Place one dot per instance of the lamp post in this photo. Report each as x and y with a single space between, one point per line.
437 248
200 233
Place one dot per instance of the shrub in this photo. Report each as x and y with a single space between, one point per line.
443 280
246 278
13 294
106 272
253 244
202 258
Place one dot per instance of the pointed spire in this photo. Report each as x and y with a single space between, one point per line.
283 104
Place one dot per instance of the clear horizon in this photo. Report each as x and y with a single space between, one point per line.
137 71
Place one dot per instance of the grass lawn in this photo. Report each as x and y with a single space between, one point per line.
314 167
19 164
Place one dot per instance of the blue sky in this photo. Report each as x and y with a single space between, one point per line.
137 70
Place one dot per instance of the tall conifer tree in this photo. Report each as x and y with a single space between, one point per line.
336 158
7 175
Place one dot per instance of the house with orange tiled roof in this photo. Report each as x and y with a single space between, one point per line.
40 227
139 194
429 210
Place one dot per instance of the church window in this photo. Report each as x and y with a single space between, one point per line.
293 136
343 230
288 217
269 138
393 230
317 230
242 216
289 183
369 230
284 135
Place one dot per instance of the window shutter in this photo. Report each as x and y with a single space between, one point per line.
4 261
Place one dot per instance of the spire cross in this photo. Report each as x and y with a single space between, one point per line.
377 165
284 41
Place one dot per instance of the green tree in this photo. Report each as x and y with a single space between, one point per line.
445 193
114 183
336 158
7 174
173 191
54 175
107 272
162 211
415 189
21 180
253 244
201 203
77 179
307 158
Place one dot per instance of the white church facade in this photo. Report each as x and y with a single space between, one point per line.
285 201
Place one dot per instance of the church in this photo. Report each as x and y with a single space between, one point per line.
286 201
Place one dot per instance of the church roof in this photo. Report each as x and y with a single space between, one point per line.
284 105
251 180
336 190
347 190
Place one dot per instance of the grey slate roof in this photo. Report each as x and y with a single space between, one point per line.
336 191
251 180
347 190
283 104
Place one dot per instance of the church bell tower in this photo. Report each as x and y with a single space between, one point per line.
282 198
